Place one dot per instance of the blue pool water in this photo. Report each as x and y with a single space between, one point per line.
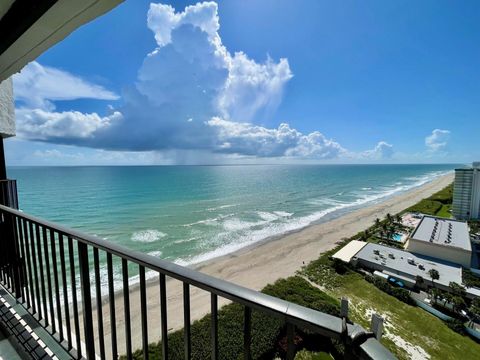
397 237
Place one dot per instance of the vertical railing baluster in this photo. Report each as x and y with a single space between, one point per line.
86 300
126 309
98 289
23 264
40 270
49 279
38 305
65 290
73 285
163 315
53 250
143 309
31 295
2 253
214 325
290 341
247 333
18 261
111 298
186 321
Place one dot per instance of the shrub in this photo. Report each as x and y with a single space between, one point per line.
426 206
299 291
266 331
456 325
399 293
444 196
308 355
470 279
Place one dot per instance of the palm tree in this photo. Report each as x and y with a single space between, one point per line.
419 280
434 275
384 227
435 294
457 289
475 308
398 218
389 217
382 234
377 222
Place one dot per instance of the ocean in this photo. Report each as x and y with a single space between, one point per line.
188 214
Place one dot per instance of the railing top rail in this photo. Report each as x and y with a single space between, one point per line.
319 322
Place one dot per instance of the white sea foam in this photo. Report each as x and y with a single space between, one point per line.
283 214
237 224
147 236
249 236
267 216
221 207
209 221
190 239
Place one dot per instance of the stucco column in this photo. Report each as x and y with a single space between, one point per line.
7 120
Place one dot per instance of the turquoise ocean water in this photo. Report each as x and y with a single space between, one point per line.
188 214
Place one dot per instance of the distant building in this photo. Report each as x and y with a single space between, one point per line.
407 267
466 193
444 239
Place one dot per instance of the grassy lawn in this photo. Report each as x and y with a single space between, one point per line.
445 211
421 332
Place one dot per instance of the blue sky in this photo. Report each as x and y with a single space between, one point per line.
257 81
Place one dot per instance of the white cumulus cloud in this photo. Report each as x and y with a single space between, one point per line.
191 96
37 86
65 126
248 139
381 151
437 140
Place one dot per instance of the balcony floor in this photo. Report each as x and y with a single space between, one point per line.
7 351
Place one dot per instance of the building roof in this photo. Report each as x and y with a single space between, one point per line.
348 251
398 261
445 232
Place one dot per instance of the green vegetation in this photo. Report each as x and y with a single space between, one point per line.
399 293
474 226
439 204
470 279
267 333
309 355
445 211
414 325
421 330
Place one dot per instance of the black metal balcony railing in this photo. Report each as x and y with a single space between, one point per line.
8 193
45 282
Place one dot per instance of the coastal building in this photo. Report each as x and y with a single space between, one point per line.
406 266
466 193
388 262
444 239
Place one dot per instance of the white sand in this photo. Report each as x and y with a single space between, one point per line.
258 266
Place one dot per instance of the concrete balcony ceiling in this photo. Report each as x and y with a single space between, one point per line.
29 28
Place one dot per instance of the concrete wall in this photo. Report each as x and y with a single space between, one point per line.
7 109
447 253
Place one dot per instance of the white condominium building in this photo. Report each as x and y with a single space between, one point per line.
466 193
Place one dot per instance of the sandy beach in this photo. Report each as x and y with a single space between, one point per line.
258 266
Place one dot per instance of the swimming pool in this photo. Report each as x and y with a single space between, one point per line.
397 237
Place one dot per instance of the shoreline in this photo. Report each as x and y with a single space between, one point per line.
259 264
332 218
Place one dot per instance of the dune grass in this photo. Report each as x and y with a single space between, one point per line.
422 332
